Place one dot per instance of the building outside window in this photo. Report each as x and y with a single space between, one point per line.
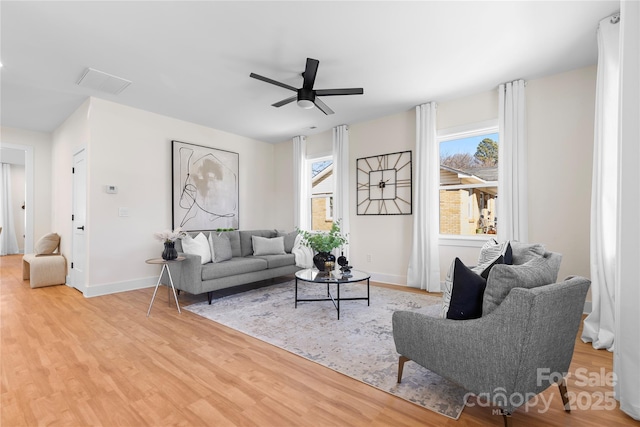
321 193
469 182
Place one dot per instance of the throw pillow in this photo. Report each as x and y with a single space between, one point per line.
466 293
198 245
502 278
492 249
483 270
451 279
47 244
524 252
289 240
220 247
268 246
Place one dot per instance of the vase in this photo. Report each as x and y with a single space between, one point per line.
169 252
342 260
321 257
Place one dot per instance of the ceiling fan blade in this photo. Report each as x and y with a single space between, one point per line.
310 73
322 107
332 92
285 101
273 82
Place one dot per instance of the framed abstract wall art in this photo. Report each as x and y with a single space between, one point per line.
205 189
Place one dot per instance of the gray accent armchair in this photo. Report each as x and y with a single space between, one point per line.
515 351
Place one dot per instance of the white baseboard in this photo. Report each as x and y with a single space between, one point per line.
389 279
113 288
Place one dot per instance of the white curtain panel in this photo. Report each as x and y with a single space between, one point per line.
626 358
599 326
341 180
8 240
302 184
512 163
424 262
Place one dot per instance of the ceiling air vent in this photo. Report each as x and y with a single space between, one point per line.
98 80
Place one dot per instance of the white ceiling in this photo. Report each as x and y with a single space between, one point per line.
192 60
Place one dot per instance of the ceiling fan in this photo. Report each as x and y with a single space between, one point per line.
307 96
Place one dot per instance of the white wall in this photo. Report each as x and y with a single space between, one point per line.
42 171
560 120
71 136
131 149
560 112
380 244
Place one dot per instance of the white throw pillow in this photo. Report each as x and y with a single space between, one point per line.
266 246
198 245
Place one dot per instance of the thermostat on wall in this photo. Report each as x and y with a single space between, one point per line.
112 189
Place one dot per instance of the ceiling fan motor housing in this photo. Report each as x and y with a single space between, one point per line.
306 98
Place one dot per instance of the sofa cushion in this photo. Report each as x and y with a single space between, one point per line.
466 293
289 239
233 267
220 247
47 244
492 249
234 239
538 271
266 246
463 277
198 245
524 252
246 244
274 261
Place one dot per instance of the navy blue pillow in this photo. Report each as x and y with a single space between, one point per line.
508 255
468 290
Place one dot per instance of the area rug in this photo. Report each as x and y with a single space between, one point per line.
359 345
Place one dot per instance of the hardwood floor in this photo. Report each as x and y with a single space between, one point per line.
67 360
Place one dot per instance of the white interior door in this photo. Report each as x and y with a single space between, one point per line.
79 216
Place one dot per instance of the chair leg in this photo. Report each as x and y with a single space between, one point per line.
401 363
506 416
562 387
209 297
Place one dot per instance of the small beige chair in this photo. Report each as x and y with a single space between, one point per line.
47 266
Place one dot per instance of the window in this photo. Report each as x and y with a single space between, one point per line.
321 171
468 181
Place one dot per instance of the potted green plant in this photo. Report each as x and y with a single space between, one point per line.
323 242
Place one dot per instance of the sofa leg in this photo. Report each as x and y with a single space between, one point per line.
506 416
401 363
562 387
209 297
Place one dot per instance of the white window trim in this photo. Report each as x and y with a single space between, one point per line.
458 132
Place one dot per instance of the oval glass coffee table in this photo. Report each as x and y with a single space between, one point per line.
313 276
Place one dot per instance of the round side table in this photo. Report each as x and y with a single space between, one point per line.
165 267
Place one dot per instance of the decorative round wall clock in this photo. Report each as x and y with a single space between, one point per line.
384 184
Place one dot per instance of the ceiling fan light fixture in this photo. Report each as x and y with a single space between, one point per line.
305 103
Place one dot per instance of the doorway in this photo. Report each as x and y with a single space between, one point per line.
29 192
78 221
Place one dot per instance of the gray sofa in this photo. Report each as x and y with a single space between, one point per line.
196 278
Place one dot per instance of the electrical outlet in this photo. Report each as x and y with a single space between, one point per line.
368 257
